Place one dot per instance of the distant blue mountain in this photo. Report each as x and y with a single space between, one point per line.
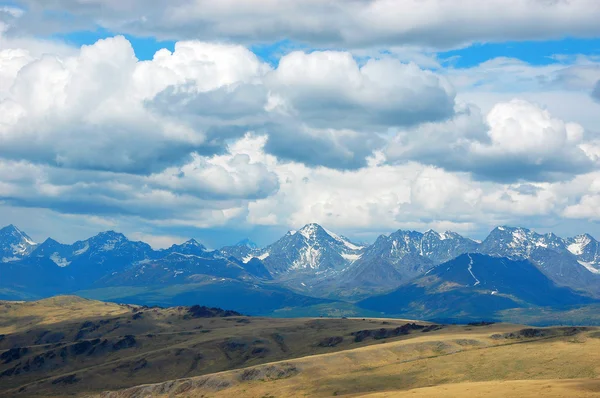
515 268
474 285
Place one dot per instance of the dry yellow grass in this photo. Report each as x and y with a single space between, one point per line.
448 364
455 361
580 388
19 316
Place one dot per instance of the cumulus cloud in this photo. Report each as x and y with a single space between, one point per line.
516 140
584 192
329 89
431 23
209 135
249 186
73 112
320 108
562 86
102 109
205 191
384 197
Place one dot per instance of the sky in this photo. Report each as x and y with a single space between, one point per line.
168 120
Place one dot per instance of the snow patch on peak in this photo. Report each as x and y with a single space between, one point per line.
309 231
519 235
84 249
249 257
343 240
19 249
309 258
589 266
579 244
263 256
351 257
58 260
108 246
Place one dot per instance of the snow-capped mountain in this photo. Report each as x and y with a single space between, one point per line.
185 263
587 251
190 247
519 243
107 249
248 243
313 260
311 250
89 260
244 250
442 247
14 244
474 285
402 256
568 262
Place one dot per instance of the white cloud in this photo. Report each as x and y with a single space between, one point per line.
517 140
383 197
102 109
206 191
229 176
521 128
329 89
563 86
585 194
370 145
432 23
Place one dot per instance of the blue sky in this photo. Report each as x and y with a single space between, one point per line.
538 52
366 117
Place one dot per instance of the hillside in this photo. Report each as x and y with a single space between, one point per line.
66 345
202 351
475 286
481 361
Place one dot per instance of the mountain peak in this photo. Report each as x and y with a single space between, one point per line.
193 243
14 244
12 230
111 235
579 243
407 235
50 241
310 230
107 241
510 229
248 243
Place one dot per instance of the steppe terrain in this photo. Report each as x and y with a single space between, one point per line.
67 346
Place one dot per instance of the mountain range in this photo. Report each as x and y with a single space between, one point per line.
313 267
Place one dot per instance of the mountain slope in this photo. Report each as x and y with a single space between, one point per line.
560 259
14 244
400 257
248 297
310 251
474 285
587 251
